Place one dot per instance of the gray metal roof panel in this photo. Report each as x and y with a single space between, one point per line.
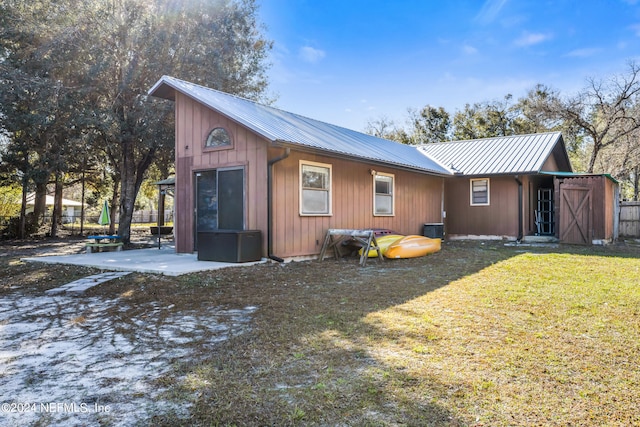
277 125
495 156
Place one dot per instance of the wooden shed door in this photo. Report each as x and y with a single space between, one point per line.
575 215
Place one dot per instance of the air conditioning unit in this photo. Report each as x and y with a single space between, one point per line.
433 230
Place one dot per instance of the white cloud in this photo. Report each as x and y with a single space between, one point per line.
530 39
311 55
490 10
584 52
469 50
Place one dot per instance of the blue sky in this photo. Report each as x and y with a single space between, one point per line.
349 61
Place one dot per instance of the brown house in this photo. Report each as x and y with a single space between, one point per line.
288 179
245 166
519 186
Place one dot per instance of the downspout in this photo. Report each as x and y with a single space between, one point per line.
520 219
270 164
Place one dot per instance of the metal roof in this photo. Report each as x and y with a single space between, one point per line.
278 126
168 181
518 154
579 175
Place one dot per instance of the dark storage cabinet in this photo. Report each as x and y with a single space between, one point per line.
230 245
433 230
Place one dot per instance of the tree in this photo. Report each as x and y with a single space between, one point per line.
604 112
429 125
490 119
384 127
28 112
111 52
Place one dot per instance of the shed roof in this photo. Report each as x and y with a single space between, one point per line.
282 127
518 154
50 201
579 175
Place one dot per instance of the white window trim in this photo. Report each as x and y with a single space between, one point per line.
393 194
323 165
471 181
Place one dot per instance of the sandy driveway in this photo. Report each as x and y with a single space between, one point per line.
75 361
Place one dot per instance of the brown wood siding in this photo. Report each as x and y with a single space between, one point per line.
417 201
194 121
500 218
603 193
630 219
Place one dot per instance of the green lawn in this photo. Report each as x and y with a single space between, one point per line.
477 334
474 335
537 339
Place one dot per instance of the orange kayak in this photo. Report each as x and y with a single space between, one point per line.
412 247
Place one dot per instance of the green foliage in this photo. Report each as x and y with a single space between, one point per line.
79 72
10 196
430 125
490 119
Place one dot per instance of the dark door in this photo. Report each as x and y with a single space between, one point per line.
575 215
219 201
231 199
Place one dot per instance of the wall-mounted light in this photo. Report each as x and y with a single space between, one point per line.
373 172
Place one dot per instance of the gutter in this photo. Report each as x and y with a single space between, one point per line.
520 219
270 164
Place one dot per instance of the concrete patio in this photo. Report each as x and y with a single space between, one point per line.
155 261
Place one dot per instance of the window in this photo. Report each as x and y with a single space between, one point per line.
315 188
383 194
480 192
218 137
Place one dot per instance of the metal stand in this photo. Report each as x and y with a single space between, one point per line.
366 237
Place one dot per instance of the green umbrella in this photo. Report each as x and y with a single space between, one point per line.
105 218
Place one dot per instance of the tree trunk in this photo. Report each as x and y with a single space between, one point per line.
594 156
127 191
113 205
23 210
40 203
56 215
132 174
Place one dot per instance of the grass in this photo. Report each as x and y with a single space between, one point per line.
477 334
545 339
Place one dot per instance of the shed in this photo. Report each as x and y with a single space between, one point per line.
71 208
587 207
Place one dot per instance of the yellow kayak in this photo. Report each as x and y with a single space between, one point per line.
383 244
412 247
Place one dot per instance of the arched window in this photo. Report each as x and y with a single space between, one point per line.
218 137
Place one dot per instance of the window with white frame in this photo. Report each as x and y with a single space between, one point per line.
315 188
383 194
480 192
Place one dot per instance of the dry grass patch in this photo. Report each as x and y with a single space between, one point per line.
477 334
